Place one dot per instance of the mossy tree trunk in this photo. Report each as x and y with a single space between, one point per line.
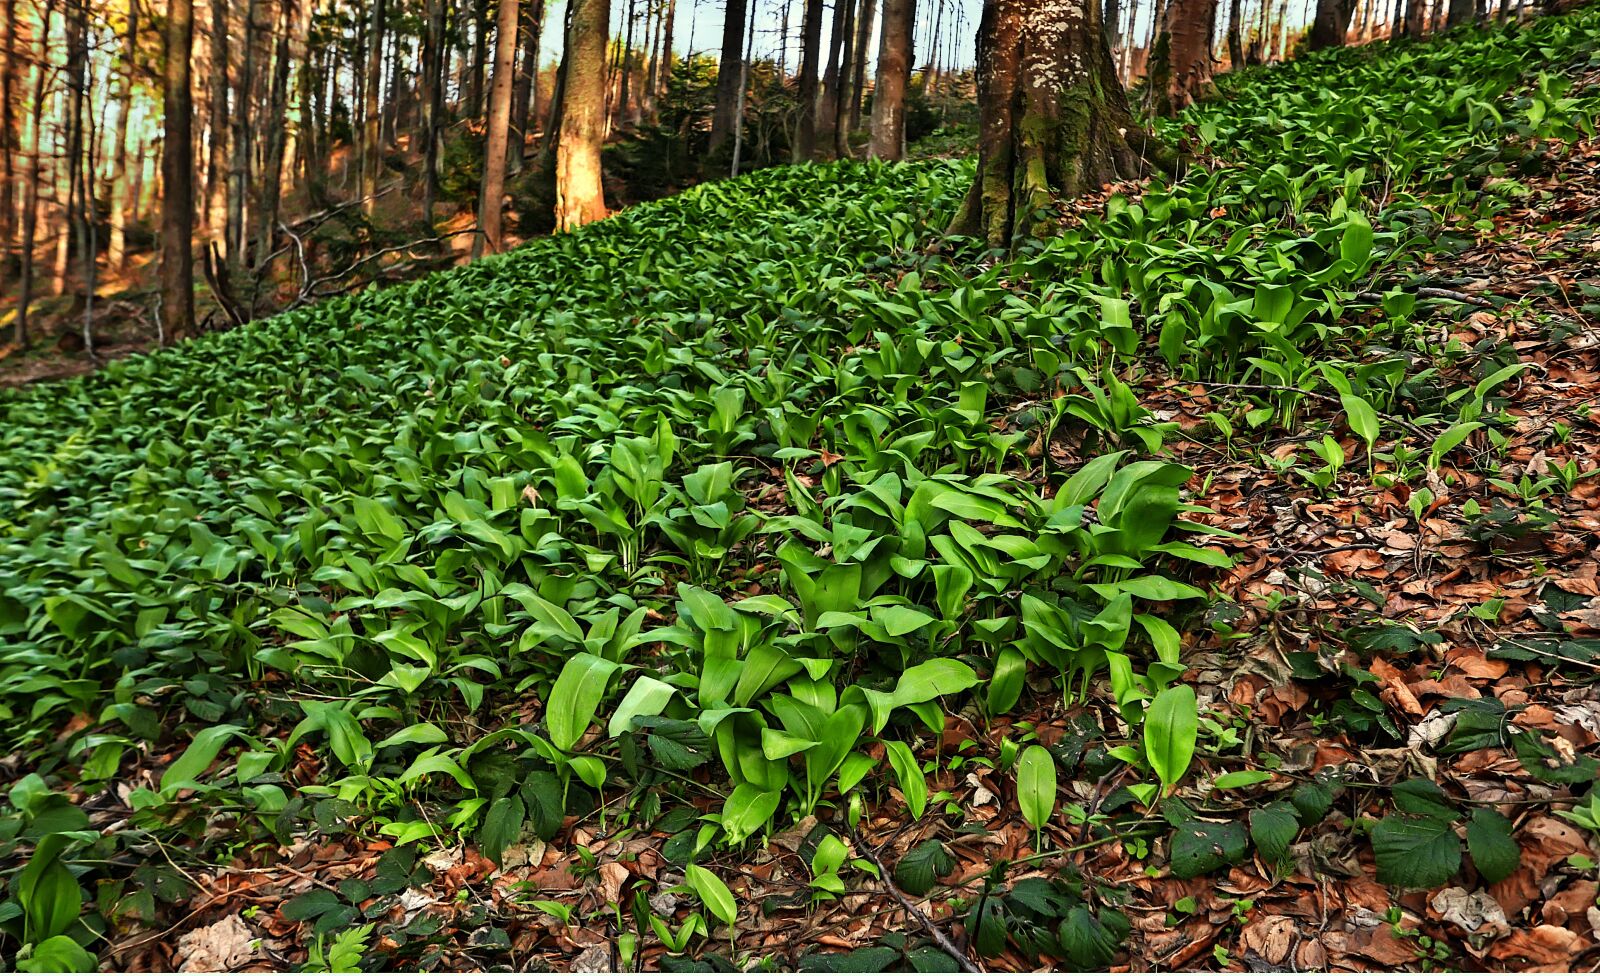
1053 119
1180 59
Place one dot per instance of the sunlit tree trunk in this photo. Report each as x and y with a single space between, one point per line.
116 249
32 144
525 95
177 173
1054 121
725 114
490 203
805 143
894 75
8 133
580 198
295 22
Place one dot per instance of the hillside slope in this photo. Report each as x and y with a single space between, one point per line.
1207 585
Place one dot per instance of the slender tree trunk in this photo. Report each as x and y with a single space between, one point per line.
1331 24
1459 12
894 69
931 70
724 115
477 67
844 82
744 86
116 249
372 144
276 129
1416 18
1235 37
665 76
1053 119
580 198
432 106
240 169
655 21
490 202
177 174
84 170
625 87
832 72
525 95
33 145
71 163
8 131
805 144
858 86
1113 23
558 100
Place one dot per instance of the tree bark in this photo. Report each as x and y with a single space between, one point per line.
480 54
1180 59
580 199
894 76
805 142
116 249
858 85
240 168
490 202
844 84
372 122
525 96
1235 37
727 106
432 106
1460 12
1416 18
1331 24
177 174
8 130
1054 121
33 144
833 71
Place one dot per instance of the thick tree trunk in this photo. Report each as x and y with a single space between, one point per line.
1416 18
894 75
490 202
580 199
805 142
177 174
725 115
1331 25
1180 60
1460 12
1054 121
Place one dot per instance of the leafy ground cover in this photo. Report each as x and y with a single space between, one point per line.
757 579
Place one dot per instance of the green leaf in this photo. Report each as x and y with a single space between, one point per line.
921 867
648 696
1036 785
501 826
575 697
1415 852
1005 685
1200 848
1171 728
1240 779
1089 943
198 757
908 773
1495 853
1272 829
712 893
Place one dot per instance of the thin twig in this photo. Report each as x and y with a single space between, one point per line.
939 938
1445 293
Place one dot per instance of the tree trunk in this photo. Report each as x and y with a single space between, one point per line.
490 201
844 92
725 114
116 250
480 54
525 96
1416 18
1112 23
432 106
805 142
1235 37
8 122
371 142
177 174
580 198
1331 24
833 72
894 76
858 84
295 21
1054 121
33 144
239 171
1180 59
1460 12
665 76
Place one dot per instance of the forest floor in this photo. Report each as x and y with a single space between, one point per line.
1385 624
